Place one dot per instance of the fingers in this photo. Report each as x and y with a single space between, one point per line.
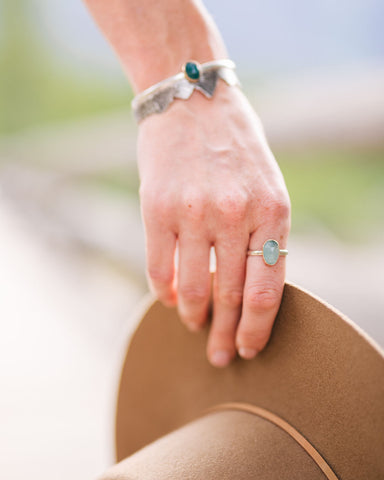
262 296
228 296
194 280
247 292
161 244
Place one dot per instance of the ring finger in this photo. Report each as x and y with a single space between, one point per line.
262 295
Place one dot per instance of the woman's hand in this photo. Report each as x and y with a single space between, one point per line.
208 178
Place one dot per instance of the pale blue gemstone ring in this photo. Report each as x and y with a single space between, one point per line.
270 252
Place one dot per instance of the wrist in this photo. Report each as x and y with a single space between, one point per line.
199 105
202 77
149 67
190 34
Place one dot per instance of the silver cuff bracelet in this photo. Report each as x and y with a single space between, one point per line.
156 99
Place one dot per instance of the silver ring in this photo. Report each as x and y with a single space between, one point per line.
271 252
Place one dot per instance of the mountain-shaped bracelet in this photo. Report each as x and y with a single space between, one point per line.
202 77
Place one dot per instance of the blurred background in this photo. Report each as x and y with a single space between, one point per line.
71 241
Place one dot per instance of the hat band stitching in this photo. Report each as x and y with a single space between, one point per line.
279 422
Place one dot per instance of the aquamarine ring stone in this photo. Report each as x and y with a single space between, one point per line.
271 252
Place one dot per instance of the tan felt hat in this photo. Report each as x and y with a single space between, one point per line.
310 406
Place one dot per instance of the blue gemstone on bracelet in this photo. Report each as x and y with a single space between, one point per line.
192 70
271 252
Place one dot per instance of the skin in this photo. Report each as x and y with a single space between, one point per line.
208 178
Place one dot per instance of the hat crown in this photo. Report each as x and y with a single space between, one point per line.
225 444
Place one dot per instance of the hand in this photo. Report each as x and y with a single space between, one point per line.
209 178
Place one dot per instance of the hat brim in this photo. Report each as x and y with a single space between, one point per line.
319 373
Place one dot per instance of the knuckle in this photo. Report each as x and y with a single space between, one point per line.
193 293
232 206
279 208
230 297
156 203
254 337
160 277
162 206
146 194
194 204
263 297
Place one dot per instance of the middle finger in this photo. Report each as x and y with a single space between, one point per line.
193 284
228 297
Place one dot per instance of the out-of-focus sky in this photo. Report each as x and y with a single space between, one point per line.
55 64
272 36
278 35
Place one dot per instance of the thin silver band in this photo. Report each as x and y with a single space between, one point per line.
251 253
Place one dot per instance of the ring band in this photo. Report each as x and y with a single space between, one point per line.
271 252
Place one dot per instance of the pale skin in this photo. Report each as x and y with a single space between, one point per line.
208 178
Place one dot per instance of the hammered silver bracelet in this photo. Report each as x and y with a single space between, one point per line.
202 77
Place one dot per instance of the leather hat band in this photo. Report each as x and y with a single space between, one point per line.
279 422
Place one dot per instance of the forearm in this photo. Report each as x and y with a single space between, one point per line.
153 38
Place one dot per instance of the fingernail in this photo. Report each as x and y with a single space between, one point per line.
247 353
220 358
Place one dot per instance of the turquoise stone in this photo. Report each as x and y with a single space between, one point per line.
192 71
271 252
